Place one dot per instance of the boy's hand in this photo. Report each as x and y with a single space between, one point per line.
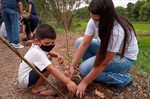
60 60
49 57
72 87
71 71
59 57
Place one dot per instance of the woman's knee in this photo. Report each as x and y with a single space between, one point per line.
83 70
78 41
85 67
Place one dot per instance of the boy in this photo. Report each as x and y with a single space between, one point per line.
38 56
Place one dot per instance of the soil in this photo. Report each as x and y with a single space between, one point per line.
9 88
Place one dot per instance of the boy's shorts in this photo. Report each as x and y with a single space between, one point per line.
33 76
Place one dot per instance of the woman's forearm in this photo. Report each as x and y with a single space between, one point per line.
78 55
81 49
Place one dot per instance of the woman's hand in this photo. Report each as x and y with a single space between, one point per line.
81 89
71 71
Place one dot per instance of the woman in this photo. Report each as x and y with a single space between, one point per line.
108 58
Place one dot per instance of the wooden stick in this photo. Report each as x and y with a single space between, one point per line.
25 60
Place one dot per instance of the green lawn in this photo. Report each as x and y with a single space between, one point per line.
143 60
144 43
81 26
142 28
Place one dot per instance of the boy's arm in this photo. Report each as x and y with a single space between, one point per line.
54 54
54 71
60 76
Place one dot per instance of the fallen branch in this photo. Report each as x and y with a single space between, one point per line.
40 74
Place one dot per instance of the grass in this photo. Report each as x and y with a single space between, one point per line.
82 26
144 43
144 54
142 28
143 62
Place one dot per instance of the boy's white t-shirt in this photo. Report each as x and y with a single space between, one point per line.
116 40
37 57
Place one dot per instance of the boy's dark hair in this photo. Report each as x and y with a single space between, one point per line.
45 31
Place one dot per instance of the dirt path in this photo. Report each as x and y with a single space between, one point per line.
9 89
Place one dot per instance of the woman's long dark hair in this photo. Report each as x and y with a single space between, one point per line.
108 15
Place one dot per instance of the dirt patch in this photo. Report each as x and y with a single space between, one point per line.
9 89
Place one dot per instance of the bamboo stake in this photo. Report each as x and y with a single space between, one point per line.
40 74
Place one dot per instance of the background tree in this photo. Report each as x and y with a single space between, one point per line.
82 14
135 9
144 12
129 14
121 10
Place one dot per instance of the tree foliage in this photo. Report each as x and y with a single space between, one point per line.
138 11
134 12
144 12
82 14
135 9
121 10
129 13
